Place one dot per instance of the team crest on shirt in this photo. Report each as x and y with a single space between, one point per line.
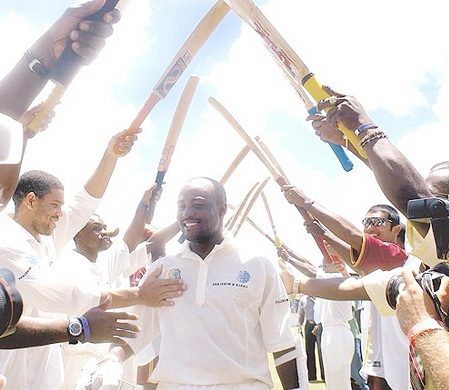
243 276
174 273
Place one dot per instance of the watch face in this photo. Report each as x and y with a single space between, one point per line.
75 327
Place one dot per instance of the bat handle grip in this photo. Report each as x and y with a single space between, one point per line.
312 85
345 162
52 100
65 68
154 197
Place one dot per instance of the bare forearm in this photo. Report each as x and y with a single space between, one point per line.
122 297
134 233
433 349
338 225
98 182
33 332
396 176
337 289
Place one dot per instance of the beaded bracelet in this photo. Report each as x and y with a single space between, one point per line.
422 327
371 137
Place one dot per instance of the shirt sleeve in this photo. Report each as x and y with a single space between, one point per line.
275 313
376 254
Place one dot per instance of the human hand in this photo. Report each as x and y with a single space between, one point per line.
122 143
316 228
102 374
326 132
110 327
86 37
29 116
413 304
159 292
2 381
294 195
287 277
344 109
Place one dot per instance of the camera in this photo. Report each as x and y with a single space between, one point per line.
429 281
11 305
435 211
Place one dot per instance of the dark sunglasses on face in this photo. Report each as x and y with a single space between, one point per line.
375 221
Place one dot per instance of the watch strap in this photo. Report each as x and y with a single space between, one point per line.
36 66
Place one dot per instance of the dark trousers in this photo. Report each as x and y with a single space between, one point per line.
311 344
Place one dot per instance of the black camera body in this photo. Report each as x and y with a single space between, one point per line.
11 305
436 212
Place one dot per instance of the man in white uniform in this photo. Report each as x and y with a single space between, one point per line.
30 242
337 340
234 311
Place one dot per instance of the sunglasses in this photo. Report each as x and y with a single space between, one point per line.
376 221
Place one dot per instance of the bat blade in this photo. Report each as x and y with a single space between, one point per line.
239 158
181 60
284 54
171 140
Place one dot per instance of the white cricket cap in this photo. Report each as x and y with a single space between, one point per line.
11 140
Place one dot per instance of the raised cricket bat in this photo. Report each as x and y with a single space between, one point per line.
181 60
250 206
233 220
66 68
171 140
238 159
286 57
277 176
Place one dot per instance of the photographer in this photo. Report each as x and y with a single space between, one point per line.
416 315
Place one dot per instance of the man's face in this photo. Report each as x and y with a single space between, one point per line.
47 211
385 230
94 235
199 216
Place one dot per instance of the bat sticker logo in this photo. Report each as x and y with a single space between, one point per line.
278 53
173 75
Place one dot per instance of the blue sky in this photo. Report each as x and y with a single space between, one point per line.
391 55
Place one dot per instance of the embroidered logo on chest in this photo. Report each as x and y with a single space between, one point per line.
174 273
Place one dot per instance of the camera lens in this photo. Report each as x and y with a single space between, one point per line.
394 287
10 303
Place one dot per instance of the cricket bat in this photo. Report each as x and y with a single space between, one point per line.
286 57
171 140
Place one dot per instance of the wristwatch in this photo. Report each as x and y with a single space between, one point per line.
36 66
75 330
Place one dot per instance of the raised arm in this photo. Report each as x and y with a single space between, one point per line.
338 225
119 146
21 85
395 174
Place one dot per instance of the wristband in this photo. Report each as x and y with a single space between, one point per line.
86 329
296 286
378 134
364 127
422 327
36 66
308 204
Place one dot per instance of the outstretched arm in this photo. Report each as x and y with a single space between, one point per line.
19 88
119 145
395 174
338 225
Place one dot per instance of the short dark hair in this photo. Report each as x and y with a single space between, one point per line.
392 213
218 188
39 182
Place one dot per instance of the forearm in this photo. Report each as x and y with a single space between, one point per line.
396 176
122 297
33 332
307 269
338 225
339 246
433 349
134 233
98 182
337 289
